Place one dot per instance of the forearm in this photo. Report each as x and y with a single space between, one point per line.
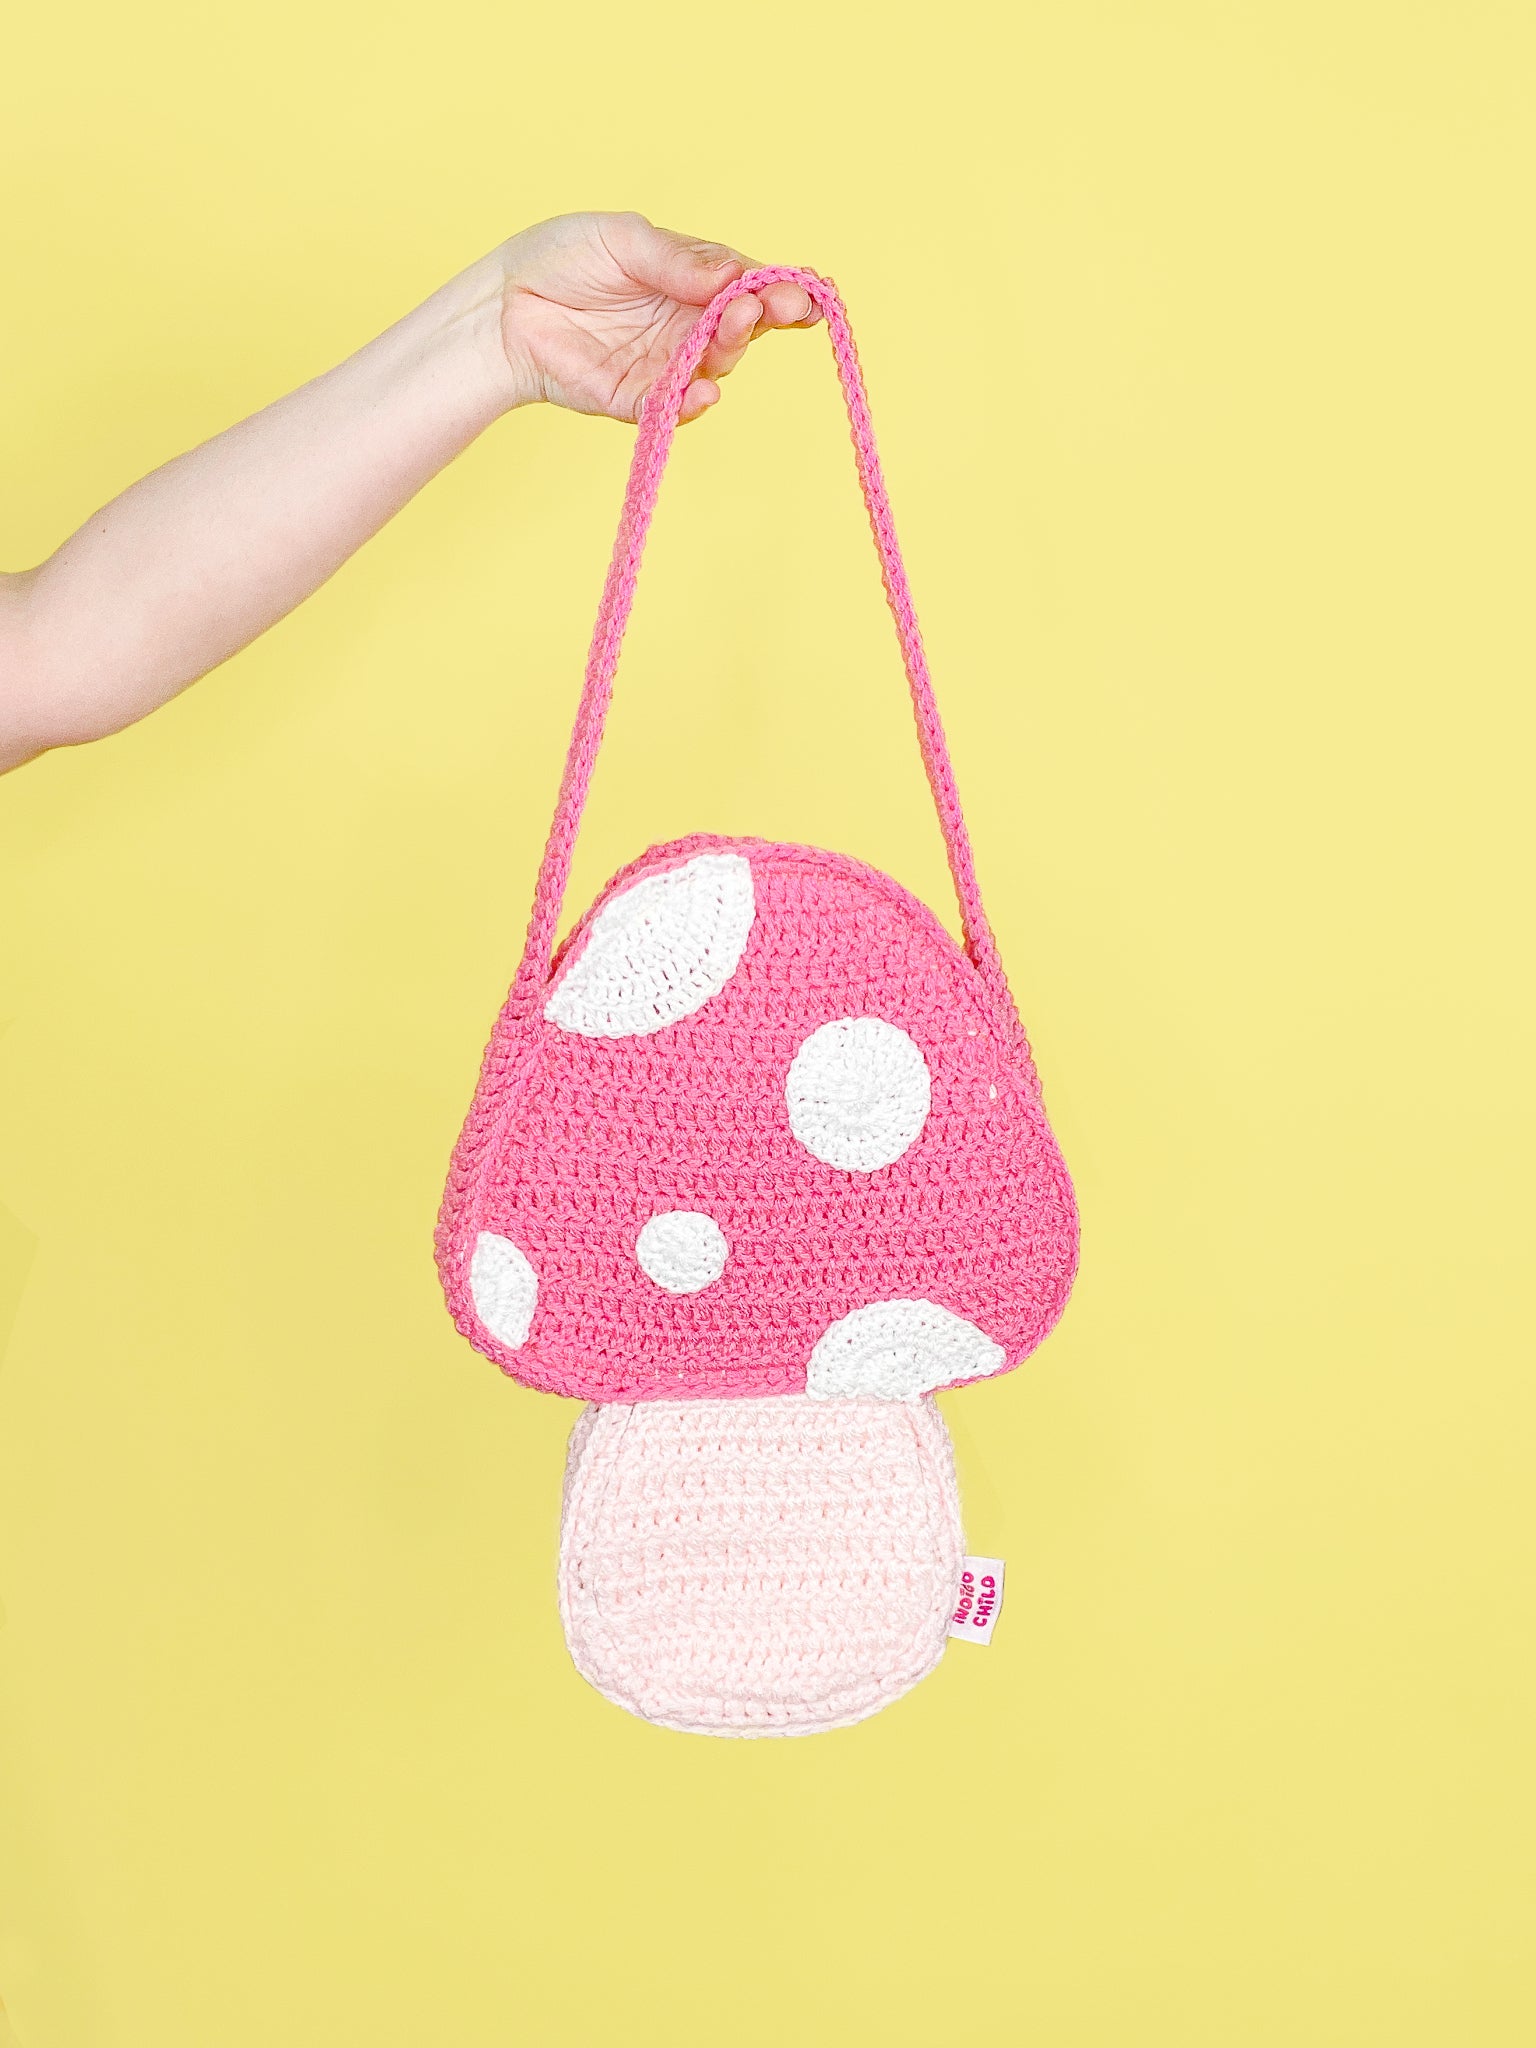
200 557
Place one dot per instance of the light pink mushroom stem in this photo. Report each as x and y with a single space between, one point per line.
658 424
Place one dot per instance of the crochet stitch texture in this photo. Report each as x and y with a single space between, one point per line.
601 1133
770 1567
757 1160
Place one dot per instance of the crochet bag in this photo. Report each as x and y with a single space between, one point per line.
756 1162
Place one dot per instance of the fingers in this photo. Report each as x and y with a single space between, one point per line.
701 394
680 266
754 313
788 305
691 271
738 324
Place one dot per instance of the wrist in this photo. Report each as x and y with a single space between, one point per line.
468 338
521 370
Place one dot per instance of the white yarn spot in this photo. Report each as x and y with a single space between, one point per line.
895 1350
505 1288
659 950
858 1092
682 1251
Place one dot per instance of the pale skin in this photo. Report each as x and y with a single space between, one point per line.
195 560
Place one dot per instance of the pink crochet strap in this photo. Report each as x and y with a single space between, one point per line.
658 424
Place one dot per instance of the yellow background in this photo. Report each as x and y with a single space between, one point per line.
1200 341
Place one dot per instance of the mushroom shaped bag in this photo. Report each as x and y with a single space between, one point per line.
756 1163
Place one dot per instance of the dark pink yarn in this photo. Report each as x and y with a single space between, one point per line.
574 1141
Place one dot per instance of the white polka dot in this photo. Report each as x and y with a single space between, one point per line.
898 1349
682 1251
658 950
858 1093
505 1288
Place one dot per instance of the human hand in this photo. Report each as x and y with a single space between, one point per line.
593 304
195 560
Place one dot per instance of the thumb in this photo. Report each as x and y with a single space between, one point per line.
683 268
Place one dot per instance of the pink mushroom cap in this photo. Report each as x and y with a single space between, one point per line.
769 1133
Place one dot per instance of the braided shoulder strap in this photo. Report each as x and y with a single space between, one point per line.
658 424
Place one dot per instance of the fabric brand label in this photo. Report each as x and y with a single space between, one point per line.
981 1595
